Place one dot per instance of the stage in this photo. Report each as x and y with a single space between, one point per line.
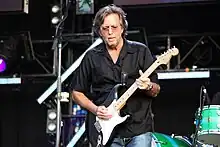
28 88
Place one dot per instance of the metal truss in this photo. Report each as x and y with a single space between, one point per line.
172 39
50 69
69 71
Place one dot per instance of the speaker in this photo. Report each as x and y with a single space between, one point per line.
14 6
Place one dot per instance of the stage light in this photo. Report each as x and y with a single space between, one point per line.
52 115
2 64
8 53
55 20
55 14
55 9
51 127
51 121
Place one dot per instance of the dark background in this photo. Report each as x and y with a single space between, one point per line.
130 2
22 122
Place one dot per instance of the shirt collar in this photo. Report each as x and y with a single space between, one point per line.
126 48
129 47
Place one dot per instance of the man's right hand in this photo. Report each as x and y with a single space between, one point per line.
103 113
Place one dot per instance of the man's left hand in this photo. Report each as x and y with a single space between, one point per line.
143 82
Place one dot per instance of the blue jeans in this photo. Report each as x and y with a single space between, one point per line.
136 141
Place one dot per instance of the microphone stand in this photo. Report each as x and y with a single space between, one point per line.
58 45
202 102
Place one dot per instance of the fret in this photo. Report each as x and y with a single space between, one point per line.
163 59
122 100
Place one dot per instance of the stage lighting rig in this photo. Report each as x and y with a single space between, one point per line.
51 121
56 14
62 14
2 64
8 53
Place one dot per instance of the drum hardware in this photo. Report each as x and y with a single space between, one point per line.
218 112
209 119
201 144
203 97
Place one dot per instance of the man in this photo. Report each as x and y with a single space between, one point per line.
116 61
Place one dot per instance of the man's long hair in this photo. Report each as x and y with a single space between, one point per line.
105 11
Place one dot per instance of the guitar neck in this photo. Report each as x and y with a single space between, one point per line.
122 100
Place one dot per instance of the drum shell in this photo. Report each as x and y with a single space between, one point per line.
209 127
162 140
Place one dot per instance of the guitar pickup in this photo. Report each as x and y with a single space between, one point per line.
98 126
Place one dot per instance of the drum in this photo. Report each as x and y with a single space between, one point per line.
209 127
162 140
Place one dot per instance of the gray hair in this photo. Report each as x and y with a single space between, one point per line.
105 11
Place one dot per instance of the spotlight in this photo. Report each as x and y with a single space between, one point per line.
2 64
55 20
51 121
8 53
55 14
51 127
55 9
52 115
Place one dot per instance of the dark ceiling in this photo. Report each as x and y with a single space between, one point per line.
156 19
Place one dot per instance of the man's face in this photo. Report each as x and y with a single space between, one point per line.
111 30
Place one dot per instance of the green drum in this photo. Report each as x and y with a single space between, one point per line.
162 140
209 127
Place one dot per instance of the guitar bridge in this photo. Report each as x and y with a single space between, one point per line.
98 126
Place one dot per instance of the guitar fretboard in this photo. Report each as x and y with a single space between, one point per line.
122 100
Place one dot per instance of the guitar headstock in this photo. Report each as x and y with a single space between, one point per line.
165 57
174 51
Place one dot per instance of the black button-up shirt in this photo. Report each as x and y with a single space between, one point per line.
98 74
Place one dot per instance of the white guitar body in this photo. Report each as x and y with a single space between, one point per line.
107 126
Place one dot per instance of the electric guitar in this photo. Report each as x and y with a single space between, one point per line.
99 130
